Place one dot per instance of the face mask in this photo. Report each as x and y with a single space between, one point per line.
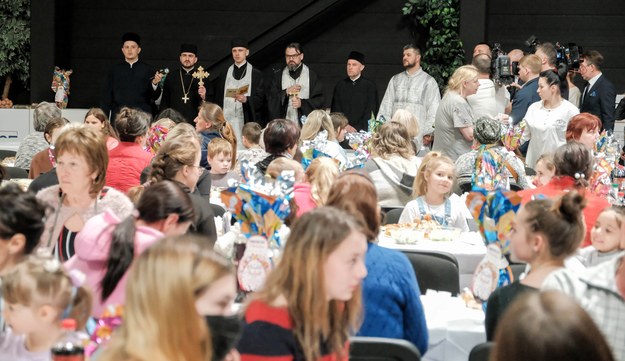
225 332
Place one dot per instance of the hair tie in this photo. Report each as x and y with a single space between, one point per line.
135 213
579 175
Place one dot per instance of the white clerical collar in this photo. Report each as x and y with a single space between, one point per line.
133 63
188 71
356 78
240 65
593 80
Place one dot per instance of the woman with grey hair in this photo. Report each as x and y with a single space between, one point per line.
129 158
490 165
35 142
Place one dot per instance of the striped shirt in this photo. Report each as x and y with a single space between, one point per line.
597 293
268 336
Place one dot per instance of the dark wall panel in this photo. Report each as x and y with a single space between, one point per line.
85 34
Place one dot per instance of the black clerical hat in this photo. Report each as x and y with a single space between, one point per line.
131 37
188 48
239 43
358 56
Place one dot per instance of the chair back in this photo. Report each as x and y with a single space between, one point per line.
382 349
392 216
481 352
16 173
6 153
435 270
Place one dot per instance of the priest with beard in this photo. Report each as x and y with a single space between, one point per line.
295 90
181 91
240 91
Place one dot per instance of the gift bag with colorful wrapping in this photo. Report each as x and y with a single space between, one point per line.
511 137
494 212
260 205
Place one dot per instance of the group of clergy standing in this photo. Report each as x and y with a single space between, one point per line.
292 93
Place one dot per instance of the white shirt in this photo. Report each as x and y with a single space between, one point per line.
546 128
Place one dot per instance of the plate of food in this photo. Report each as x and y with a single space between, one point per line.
418 230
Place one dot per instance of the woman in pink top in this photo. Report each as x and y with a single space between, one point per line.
105 252
128 159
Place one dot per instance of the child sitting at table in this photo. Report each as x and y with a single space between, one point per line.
219 158
544 233
606 237
432 187
545 170
253 152
311 300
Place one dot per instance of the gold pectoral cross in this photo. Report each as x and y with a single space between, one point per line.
185 98
201 75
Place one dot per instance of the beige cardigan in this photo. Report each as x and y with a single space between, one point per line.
112 199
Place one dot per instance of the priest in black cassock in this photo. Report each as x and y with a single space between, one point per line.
180 89
131 83
294 90
240 92
356 96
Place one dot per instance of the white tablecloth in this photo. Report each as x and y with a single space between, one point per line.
468 248
454 329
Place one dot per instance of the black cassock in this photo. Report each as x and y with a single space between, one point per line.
173 94
129 86
356 100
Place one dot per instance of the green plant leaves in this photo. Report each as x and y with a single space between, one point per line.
443 53
15 39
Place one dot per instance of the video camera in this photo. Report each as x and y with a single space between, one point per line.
570 56
501 68
565 56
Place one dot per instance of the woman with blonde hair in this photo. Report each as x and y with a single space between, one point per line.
178 160
412 125
453 127
311 301
321 174
210 123
198 283
393 165
316 122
